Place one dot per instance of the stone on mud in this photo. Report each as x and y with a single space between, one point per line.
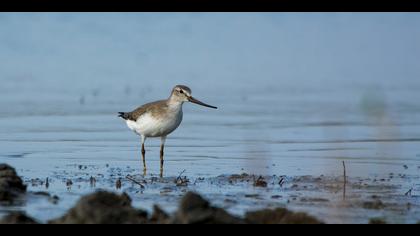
11 185
279 216
159 216
194 209
17 218
103 208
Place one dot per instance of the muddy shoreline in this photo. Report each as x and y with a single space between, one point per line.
240 198
103 207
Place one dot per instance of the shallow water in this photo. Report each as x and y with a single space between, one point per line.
268 126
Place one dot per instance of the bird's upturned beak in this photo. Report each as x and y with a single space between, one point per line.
193 100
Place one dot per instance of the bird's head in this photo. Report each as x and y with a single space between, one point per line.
182 93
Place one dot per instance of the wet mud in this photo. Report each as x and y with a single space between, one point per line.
119 195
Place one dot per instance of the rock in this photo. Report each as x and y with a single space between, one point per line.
17 218
103 208
11 185
192 201
196 210
159 216
279 216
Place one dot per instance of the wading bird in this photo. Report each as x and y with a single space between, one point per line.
160 118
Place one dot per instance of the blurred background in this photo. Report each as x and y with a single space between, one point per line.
298 92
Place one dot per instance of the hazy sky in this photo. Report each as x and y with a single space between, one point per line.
93 49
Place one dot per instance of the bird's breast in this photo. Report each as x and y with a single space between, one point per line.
156 125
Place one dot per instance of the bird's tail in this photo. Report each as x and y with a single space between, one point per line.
123 115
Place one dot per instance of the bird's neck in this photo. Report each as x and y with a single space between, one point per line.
174 103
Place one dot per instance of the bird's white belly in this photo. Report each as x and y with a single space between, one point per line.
151 126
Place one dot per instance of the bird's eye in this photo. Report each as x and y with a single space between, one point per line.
181 91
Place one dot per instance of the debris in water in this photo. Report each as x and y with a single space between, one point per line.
375 205
182 181
409 192
260 182
69 183
92 181
118 183
281 182
134 181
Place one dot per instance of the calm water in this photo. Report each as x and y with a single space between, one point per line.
306 131
60 98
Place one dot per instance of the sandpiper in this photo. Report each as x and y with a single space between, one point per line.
160 118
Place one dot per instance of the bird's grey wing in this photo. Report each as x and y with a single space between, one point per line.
152 107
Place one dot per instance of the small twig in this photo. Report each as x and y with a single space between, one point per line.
281 182
409 192
345 175
69 183
118 183
181 181
92 181
134 181
180 175
345 180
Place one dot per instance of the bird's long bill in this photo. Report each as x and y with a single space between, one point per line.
193 100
